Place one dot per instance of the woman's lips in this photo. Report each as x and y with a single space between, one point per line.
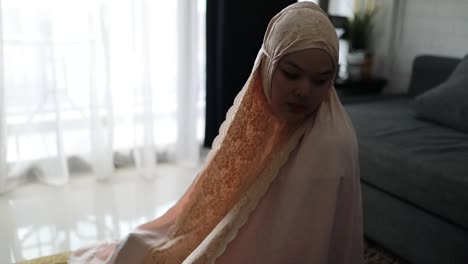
296 108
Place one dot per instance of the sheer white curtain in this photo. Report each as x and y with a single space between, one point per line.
94 84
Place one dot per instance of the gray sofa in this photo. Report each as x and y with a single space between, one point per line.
414 173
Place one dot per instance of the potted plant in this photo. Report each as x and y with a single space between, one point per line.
357 30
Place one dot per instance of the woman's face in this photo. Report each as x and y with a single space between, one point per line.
300 83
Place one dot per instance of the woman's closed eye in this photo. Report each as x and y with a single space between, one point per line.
320 82
291 75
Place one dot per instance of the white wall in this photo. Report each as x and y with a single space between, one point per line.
383 39
437 27
341 7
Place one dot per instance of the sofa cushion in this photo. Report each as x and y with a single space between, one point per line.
461 69
428 71
448 102
417 161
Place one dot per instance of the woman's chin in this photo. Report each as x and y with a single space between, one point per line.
294 118
290 117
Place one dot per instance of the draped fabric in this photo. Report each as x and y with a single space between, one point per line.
90 85
224 214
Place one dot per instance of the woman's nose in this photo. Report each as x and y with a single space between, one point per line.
303 89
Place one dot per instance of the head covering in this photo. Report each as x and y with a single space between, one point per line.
247 155
298 27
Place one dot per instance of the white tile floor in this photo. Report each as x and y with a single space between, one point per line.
38 220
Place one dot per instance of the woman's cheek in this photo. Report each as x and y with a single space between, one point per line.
316 98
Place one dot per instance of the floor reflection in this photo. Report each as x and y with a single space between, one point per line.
39 220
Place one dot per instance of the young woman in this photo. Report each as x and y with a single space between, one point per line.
281 184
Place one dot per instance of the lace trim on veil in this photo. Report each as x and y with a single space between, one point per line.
218 240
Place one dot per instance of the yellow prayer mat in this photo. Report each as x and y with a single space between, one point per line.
60 258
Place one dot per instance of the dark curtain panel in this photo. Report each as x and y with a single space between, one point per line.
324 4
234 32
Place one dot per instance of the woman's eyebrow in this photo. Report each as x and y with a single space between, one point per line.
292 64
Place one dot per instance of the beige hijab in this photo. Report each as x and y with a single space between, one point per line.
247 155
